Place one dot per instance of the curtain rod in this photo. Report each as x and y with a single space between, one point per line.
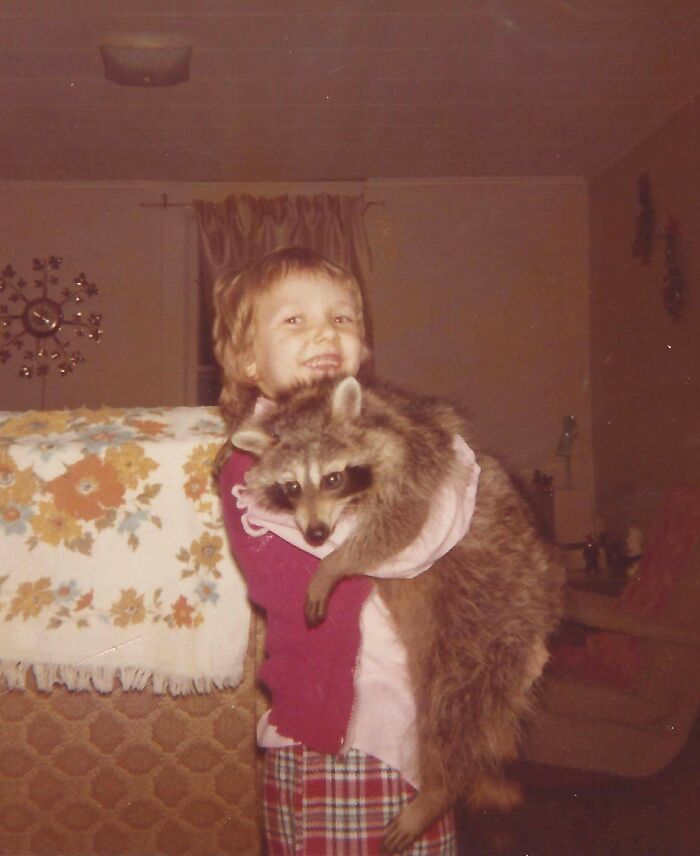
166 203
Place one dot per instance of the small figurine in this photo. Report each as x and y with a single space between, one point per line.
542 480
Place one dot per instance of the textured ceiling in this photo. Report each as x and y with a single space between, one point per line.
344 89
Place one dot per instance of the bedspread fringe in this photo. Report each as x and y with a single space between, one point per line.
14 674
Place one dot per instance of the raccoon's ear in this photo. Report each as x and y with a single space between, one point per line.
347 400
252 440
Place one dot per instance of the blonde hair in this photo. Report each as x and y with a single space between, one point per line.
235 295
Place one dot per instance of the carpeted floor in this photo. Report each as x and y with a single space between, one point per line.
651 817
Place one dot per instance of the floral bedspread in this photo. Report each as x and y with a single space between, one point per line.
113 558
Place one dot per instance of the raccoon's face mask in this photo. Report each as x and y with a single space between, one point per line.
318 501
300 473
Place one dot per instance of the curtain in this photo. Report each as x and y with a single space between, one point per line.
242 228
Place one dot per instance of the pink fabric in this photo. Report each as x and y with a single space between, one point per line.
309 671
447 523
383 716
673 535
383 721
614 658
600 657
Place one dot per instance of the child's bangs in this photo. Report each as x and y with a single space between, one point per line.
284 263
301 262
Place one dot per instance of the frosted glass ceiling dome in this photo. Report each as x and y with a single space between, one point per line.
146 59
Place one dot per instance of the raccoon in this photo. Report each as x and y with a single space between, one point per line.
474 625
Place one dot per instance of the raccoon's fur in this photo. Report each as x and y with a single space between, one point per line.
475 624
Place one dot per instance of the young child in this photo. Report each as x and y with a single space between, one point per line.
341 756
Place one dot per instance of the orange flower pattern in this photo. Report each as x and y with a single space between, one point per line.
195 487
148 426
182 612
203 556
130 463
106 486
129 609
35 422
54 526
31 598
15 485
87 489
206 551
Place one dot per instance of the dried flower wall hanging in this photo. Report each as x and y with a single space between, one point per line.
643 245
674 289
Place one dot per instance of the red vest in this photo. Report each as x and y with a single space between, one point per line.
308 671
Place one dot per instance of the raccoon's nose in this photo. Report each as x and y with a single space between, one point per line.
317 533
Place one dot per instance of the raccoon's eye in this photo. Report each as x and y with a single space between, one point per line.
331 481
292 488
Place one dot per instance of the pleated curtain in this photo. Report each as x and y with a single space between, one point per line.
242 228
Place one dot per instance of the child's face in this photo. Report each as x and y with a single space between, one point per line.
305 327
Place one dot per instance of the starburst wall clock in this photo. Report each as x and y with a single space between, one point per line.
39 325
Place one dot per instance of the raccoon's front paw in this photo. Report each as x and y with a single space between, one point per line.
316 600
314 611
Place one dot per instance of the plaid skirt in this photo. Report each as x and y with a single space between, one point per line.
338 805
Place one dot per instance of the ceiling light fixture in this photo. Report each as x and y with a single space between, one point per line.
146 59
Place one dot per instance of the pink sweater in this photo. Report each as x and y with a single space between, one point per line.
308 671
345 683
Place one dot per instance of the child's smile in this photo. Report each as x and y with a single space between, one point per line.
305 327
325 363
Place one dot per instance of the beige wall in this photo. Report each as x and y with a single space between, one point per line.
479 291
482 295
646 386
143 259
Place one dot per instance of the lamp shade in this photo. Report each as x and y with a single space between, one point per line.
146 59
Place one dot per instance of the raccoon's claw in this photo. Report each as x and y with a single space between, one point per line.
398 836
395 841
414 818
317 594
314 610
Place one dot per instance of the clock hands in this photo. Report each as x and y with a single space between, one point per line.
43 319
